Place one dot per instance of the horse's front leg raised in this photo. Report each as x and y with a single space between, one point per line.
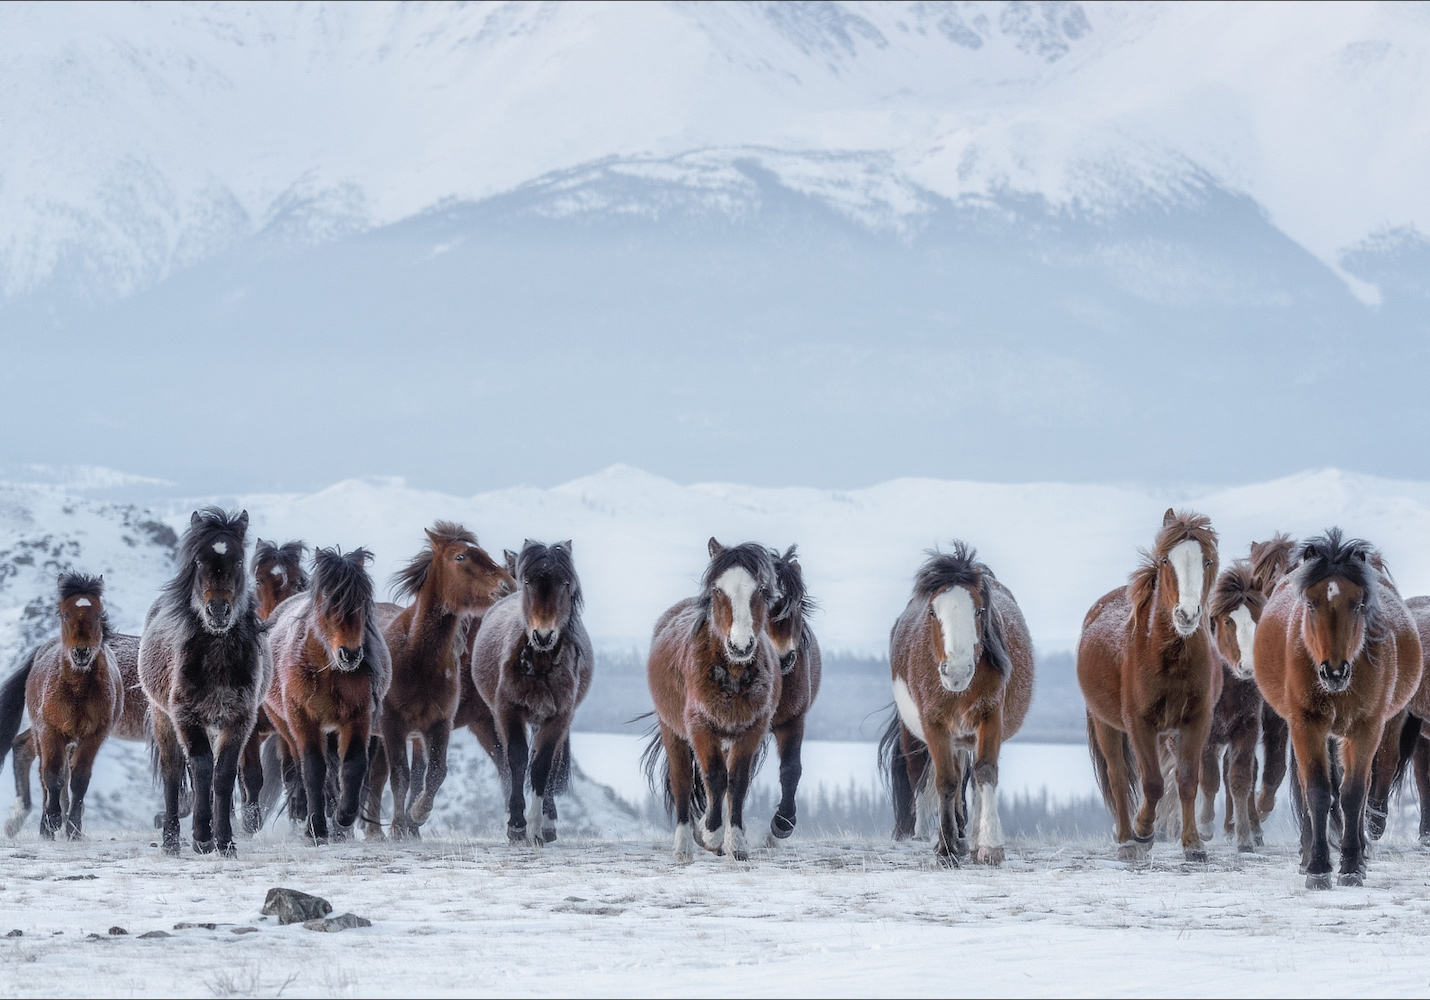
789 741
438 735
988 836
1359 755
716 776
1190 744
1308 741
544 757
201 777
225 775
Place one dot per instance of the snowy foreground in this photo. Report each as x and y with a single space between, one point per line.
462 916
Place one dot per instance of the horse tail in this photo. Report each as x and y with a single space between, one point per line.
1409 738
896 765
1099 768
272 776
12 703
657 774
560 779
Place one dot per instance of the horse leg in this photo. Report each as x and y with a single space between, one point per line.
560 763
1360 750
52 747
352 748
1228 823
988 834
716 776
1144 746
252 785
201 777
373 784
394 741
171 768
437 737
547 748
1382 776
81 767
312 752
1314 772
789 741
1119 782
1190 745
1241 786
948 780
682 783
1420 761
1337 822
226 756
1253 814
419 774
742 762
1211 783
23 755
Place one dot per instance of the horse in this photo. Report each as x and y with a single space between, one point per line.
331 670
205 666
531 664
449 580
73 689
1147 665
1337 654
801 669
1270 562
961 664
278 573
1404 745
1236 604
715 680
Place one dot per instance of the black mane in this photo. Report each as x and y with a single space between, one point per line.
408 581
1352 559
287 557
84 585
961 568
342 582
537 560
207 526
749 556
789 581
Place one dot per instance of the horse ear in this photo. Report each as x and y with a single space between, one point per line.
194 519
567 543
1169 517
714 547
431 538
243 520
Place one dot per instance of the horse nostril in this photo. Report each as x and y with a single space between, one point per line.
350 654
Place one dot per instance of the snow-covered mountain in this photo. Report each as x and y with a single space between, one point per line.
830 243
640 540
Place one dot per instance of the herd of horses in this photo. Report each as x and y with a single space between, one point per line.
306 679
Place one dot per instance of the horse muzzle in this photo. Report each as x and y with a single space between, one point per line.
1186 622
1244 670
787 661
348 657
1334 679
544 639
218 615
740 654
82 656
954 679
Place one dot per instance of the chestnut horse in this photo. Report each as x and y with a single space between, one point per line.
75 695
962 665
1270 562
450 580
278 573
800 669
715 679
205 666
1404 745
1337 654
532 664
331 670
1147 665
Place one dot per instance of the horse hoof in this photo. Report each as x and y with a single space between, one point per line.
1351 879
960 847
516 834
1195 855
203 846
158 821
948 859
421 809
989 856
741 855
548 834
781 826
1322 881
1131 852
1259 840
229 850
13 826
1245 849
318 840
172 848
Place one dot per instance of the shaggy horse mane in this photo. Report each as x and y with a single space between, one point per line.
287 557
208 526
752 558
84 585
538 560
407 581
1237 585
341 581
1352 559
793 597
961 568
1177 527
1271 560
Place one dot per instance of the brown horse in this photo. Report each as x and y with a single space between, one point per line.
450 580
715 679
962 665
278 573
1147 665
1236 605
532 664
1404 744
331 670
801 668
1337 654
1270 562
75 695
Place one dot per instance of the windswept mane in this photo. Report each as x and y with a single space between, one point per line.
1271 560
538 560
1237 585
749 556
408 581
342 583
84 585
961 568
1352 559
1178 527
793 597
208 526
286 558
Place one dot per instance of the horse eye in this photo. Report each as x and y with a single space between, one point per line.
931 614
461 556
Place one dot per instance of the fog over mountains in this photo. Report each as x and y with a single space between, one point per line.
269 247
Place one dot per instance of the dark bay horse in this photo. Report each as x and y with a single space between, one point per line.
715 680
800 668
1147 666
962 665
331 670
205 666
450 580
1337 654
278 573
1236 605
75 694
1270 562
532 663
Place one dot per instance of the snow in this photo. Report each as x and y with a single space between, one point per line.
145 138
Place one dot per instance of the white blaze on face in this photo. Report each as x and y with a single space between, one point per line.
82 602
1190 569
954 610
1245 639
739 586
221 547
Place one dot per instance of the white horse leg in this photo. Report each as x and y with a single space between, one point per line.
926 811
533 819
18 813
684 842
990 826
975 819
